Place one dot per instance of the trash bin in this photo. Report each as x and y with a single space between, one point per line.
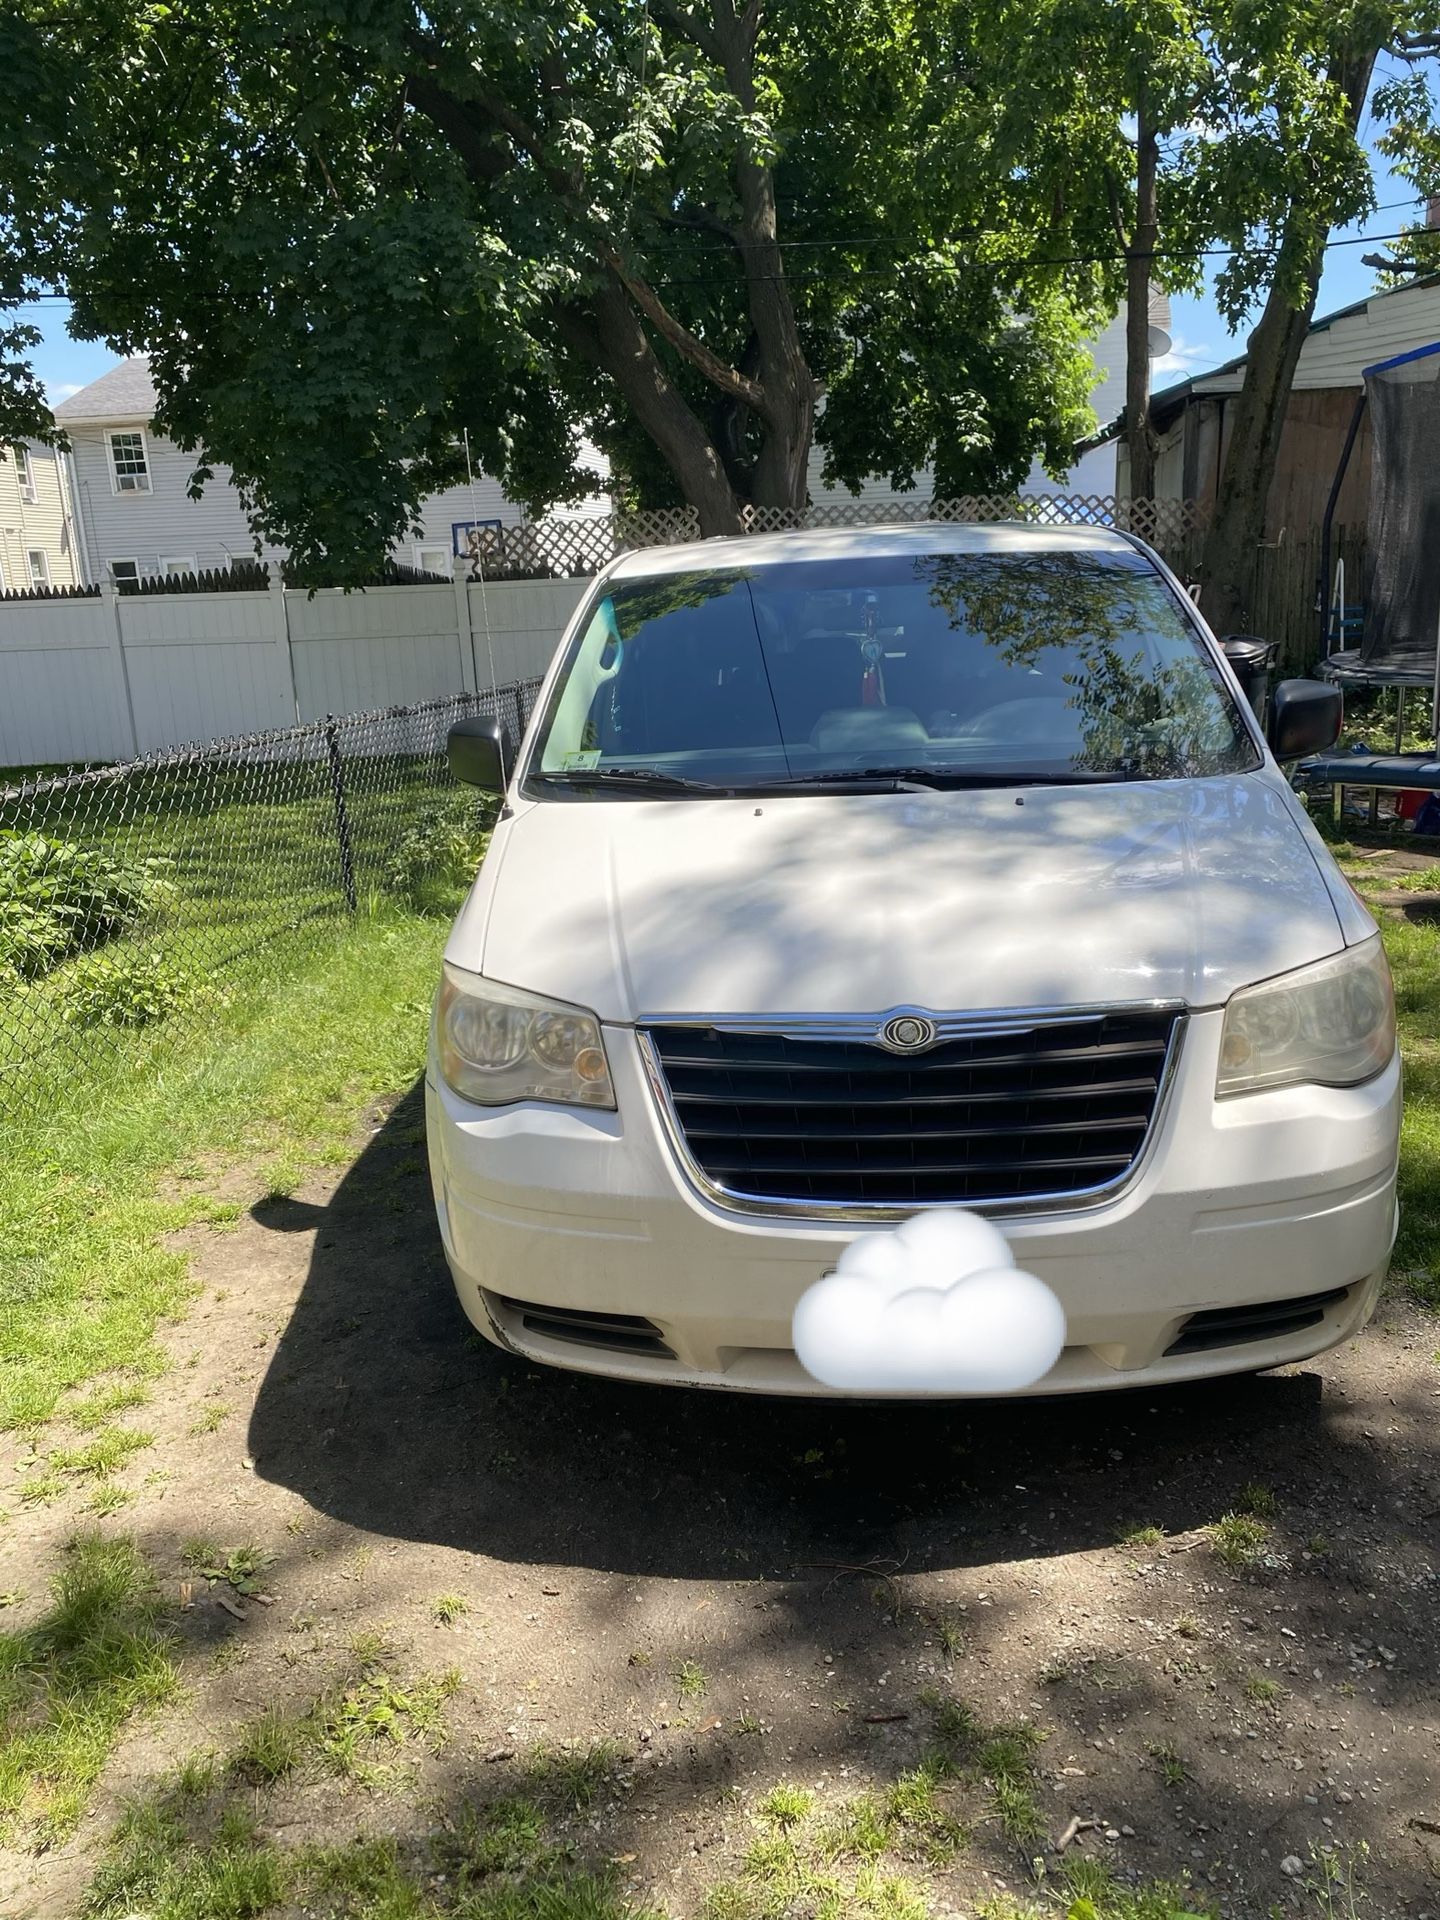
1251 660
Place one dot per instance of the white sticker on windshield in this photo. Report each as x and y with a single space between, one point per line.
576 762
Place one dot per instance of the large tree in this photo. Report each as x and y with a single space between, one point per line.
345 230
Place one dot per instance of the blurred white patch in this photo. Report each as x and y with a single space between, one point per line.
936 1306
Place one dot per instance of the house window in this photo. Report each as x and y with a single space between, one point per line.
177 563
39 562
124 570
432 560
25 474
129 461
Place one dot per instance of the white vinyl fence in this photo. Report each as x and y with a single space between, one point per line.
116 675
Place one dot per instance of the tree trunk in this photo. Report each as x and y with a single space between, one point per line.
1258 412
616 340
790 398
1139 259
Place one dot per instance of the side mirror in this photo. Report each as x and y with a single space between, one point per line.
479 752
1305 717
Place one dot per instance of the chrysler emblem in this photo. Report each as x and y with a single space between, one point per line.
907 1033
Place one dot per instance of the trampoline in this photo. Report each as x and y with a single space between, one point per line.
1399 632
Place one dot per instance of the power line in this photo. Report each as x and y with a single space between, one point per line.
972 266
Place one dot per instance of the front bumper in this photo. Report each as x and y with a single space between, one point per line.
1270 1197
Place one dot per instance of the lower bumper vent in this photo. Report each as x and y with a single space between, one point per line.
1269 1320
617 1332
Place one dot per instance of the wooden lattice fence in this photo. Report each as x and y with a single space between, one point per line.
582 546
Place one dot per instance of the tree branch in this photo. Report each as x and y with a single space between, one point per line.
717 371
1117 214
691 27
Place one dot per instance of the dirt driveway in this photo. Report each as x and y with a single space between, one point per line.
739 1594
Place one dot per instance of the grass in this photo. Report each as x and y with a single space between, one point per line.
1263 1689
1173 1770
1239 1539
572 1775
1143 1536
691 1679
446 1608
71 1682
90 1190
1414 955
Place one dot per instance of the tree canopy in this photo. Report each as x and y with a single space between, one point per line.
345 230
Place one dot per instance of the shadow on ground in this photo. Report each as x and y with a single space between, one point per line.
383 1410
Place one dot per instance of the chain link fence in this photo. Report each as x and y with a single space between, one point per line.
132 894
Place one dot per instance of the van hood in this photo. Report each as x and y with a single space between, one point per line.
952 901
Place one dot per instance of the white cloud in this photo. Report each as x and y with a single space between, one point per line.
56 394
1185 357
937 1306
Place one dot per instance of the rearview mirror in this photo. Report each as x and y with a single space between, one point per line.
479 752
1305 717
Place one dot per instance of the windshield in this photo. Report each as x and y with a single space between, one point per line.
949 668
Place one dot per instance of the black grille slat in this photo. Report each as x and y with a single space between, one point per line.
617 1332
1059 1109
1265 1320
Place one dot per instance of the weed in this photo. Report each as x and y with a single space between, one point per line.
99 1458
1318 1544
1257 1501
1173 1770
950 1632
1086 1878
10 1597
572 1774
373 1714
240 1569
1055 1672
1188 1627
197 1775
638 1657
1264 1689
1239 1539
447 1608
860 1828
1148 1535
96 1408
269 1748
508 1836
748 1724
1007 1753
108 1498
786 1805
1333 1882
691 1679
363 1880
1014 1806
210 1419
69 1683
156 1868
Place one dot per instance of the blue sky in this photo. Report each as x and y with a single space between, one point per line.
1199 337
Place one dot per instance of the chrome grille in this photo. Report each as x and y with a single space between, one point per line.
1004 1110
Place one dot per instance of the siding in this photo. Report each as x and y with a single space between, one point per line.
1336 355
147 527
43 522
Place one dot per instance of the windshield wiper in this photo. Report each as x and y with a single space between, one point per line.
917 779
584 777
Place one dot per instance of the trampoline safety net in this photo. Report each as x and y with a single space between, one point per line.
1403 603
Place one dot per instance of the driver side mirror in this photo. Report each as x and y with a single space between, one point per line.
1305 717
479 752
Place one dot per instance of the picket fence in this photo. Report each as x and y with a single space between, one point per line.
103 676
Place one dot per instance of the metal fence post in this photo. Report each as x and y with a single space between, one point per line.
342 815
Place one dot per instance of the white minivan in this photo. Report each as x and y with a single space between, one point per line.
846 875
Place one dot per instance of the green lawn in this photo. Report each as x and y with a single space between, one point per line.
275 1077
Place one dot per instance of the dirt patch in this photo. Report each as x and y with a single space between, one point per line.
740 1592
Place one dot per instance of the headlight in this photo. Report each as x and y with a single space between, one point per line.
498 1045
1332 1024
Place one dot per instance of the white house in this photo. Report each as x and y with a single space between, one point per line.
135 519
37 531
